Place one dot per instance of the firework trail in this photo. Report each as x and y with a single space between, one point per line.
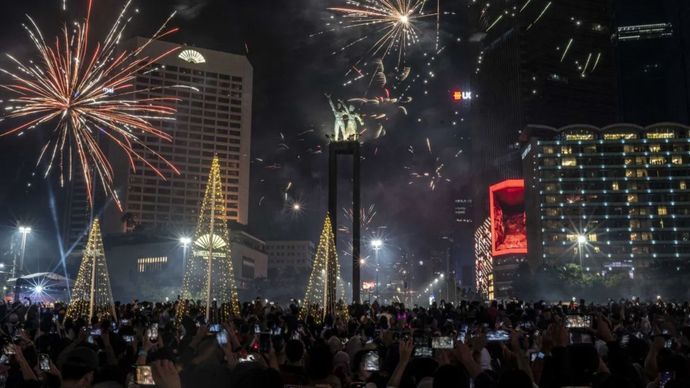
81 94
366 218
390 24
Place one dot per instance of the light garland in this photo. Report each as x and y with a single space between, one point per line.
483 260
92 295
325 292
209 275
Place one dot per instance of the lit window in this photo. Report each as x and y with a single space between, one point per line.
628 161
662 211
620 136
632 197
677 159
661 135
683 186
579 136
614 186
641 173
548 150
634 237
149 264
592 237
566 150
629 173
657 160
569 162
655 148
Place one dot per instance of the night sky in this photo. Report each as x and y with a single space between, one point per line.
292 71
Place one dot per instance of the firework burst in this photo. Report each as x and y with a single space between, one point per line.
81 94
393 24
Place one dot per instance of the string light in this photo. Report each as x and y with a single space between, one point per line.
92 294
483 260
324 282
209 276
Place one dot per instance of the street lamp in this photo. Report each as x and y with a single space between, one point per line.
581 241
185 242
24 231
377 244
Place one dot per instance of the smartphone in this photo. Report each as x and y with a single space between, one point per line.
90 340
8 349
144 375
668 344
296 335
578 321
498 336
44 362
128 338
461 337
371 361
4 360
95 332
152 332
222 337
264 342
422 348
625 339
276 331
536 356
124 322
248 358
214 328
664 378
442 343
257 329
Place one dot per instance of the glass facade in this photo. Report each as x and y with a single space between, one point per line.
613 197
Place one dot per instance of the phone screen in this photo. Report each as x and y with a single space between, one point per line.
248 358
153 332
222 338
461 337
128 338
371 361
214 328
422 348
498 336
144 375
96 332
578 321
8 349
45 362
442 343
536 356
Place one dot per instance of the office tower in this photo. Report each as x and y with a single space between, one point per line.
213 118
548 63
652 42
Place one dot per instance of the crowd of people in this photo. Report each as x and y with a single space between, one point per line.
625 343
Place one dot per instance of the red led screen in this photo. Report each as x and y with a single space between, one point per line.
507 206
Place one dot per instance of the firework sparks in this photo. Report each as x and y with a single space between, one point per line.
366 220
394 23
82 93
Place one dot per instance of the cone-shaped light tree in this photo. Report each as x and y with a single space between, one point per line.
209 276
325 294
92 295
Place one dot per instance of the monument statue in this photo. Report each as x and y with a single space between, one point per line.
347 121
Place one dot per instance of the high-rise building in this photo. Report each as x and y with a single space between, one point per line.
652 41
213 118
285 256
547 63
608 199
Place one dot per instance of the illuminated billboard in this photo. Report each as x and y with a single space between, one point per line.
508 229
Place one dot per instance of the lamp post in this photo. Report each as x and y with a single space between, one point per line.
377 244
24 231
185 242
581 241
